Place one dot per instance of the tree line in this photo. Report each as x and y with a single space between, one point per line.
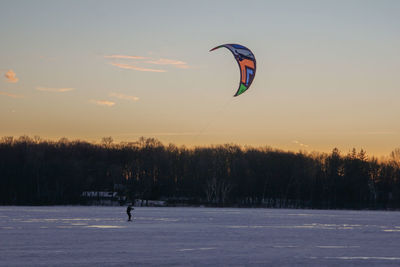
34 171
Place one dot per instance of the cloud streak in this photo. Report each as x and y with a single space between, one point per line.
166 61
125 57
11 95
11 76
125 97
103 102
132 67
144 63
300 144
54 90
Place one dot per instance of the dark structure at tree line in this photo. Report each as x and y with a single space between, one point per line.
35 171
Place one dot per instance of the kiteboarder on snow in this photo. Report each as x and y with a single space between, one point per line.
128 211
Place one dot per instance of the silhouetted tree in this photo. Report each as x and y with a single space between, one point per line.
38 171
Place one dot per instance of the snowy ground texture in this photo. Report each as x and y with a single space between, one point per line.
101 236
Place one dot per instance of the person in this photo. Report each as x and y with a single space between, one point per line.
128 211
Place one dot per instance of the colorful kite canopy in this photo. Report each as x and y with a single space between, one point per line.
247 65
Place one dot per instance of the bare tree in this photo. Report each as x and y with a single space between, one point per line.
395 157
37 139
211 190
107 141
224 188
7 140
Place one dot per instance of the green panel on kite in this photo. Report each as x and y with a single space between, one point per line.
241 90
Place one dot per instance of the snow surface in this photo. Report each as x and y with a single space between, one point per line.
101 236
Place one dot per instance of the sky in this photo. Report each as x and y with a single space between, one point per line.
327 72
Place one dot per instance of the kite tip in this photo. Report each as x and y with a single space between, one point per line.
215 48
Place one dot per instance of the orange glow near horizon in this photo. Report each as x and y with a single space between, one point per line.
327 73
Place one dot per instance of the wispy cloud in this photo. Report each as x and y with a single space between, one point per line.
11 95
125 57
300 144
166 61
142 63
126 97
132 67
11 76
103 102
54 90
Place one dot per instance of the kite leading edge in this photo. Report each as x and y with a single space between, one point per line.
246 62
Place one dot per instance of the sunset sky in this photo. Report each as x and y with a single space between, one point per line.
327 72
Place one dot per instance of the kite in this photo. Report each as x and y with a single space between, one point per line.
247 65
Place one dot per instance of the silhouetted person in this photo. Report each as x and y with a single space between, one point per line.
128 211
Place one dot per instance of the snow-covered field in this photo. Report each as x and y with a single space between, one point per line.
98 236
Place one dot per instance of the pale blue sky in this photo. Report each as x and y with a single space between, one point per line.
327 72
